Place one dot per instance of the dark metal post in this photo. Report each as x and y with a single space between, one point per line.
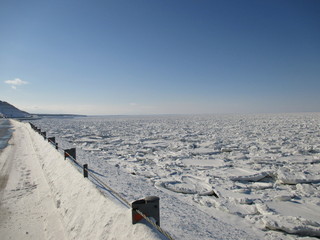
32 126
85 170
44 135
149 206
70 152
52 140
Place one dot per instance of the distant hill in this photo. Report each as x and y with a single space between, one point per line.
9 111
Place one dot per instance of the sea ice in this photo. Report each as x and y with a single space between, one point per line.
263 168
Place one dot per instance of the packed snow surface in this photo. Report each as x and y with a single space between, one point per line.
261 172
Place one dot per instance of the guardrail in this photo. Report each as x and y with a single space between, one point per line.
147 208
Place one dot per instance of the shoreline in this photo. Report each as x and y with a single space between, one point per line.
5 133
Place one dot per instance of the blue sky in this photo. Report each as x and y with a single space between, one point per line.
158 57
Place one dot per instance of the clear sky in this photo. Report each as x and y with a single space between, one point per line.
160 56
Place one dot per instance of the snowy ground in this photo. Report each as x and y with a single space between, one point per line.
260 172
42 196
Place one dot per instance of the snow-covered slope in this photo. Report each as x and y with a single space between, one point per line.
9 111
42 196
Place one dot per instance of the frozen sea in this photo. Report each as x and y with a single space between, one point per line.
263 170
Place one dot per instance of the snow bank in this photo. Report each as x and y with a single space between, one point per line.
86 213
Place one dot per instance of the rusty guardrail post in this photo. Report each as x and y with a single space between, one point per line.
52 140
70 152
149 206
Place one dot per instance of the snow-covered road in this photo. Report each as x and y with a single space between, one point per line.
27 208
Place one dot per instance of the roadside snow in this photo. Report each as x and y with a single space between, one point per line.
45 197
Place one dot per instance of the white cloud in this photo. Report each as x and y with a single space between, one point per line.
16 82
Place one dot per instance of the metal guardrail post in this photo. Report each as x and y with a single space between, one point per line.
70 152
85 170
44 135
52 140
32 126
149 206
